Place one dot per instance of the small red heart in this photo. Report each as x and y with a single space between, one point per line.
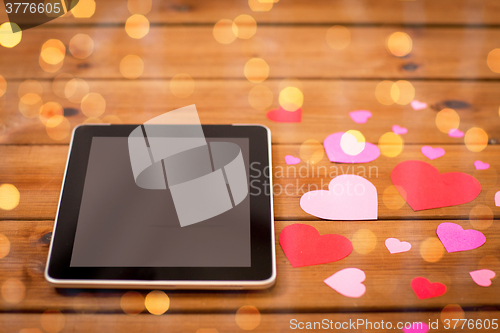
304 246
423 187
281 115
424 289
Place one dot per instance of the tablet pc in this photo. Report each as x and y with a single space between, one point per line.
115 229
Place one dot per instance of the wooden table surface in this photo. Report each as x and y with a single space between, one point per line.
447 66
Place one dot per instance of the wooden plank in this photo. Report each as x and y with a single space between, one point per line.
302 289
37 171
289 51
326 108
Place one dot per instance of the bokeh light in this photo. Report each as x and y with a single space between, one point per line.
476 139
493 60
244 26
30 104
311 151
157 302
338 37
394 199
481 217
131 66
58 127
291 98
53 51
93 105
447 119
81 46
8 38
260 97
402 92
399 44
84 9
390 144
260 6
247 317
364 241
92 120
352 142
59 84
139 6
137 26
290 82
383 92
224 31
431 249
9 197
3 86
452 313
132 302
52 321
50 109
30 86
76 89
4 245
13 291
256 70
182 85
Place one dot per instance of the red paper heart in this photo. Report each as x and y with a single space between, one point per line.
424 289
304 246
423 187
281 115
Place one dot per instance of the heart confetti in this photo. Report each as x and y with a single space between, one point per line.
424 289
455 238
482 277
281 115
336 154
455 133
417 105
399 130
479 165
290 160
360 116
394 245
432 153
304 246
348 282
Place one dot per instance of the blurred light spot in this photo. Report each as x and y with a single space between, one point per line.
247 317
157 302
364 241
244 26
224 31
481 217
84 9
58 127
52 55
352 142
476 139
30 104
139 6
30 86
76 89
132 302
452 313
390 144
291 99
260 97
291 82
383 92
52 321
311 151
9 197
48 67
8 38
207 330
338 37
402 92
112 119
431 249
4 241
399 44
131 66
137 26
92 120
93 105
59 84
392 198
489 262
258 6
494 60
13 291
3 86
447 119
182 85
81 46
256 70
50 109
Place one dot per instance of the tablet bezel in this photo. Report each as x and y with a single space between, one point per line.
261 273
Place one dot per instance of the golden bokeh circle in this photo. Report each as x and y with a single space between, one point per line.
447 119
352 142
139 6
81 46
481 217
137 26
260 97
311 151
223 31
399 44
30 86
290 82
52 321
4 245
3 86
390 144
30 104
247 317
76 89
338 37
92 120
58 127
291 99
93 105
131 66
244 26
50 109
431 249
9 197
84 9
256 70
452 313
493 60
182 85
383 92
157 302
8 38
476 139
260 5
13 291
394 199
59 84
53 52
364 241
132 302
402 92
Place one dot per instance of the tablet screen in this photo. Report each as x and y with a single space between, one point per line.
123 225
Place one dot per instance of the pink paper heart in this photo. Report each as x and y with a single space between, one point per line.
417 105
335 153
455 133
349 197
399 130
417 327
455 238
360 116
497 199
348 282
479 165
482 277
290 160
432 153
394 245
